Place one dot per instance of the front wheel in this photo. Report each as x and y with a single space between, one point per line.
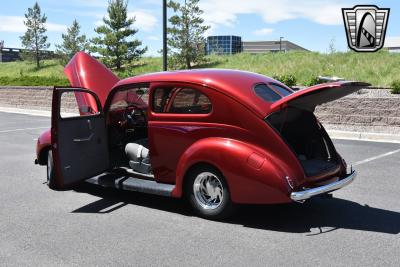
208 193
50 170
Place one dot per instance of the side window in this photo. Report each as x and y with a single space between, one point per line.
190 101
161 97
69 107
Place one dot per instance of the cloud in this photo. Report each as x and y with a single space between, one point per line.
153 38
145 21
264 31
225 12
16 24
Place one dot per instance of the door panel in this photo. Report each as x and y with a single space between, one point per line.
79 137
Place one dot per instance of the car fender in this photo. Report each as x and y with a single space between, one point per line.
251 174
43 145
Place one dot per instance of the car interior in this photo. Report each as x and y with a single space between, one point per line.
127 121
127 130
306 137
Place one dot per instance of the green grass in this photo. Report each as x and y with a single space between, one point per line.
379 69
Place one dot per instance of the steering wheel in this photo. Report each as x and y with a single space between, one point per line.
132 113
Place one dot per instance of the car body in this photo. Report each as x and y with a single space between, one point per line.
238 137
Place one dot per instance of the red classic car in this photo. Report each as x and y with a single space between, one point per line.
216 137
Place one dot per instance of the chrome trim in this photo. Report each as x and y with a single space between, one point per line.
301 196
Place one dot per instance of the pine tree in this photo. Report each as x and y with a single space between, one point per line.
114 42
35 39
186 39
72 43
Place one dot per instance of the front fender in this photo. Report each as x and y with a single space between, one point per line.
42 145
251 174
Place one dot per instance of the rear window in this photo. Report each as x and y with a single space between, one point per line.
266 93
282 90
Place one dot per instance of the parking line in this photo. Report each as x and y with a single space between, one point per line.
22 129
376 157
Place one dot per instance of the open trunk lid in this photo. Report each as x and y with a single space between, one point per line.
316 95
83 71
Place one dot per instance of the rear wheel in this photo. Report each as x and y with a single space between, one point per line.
208 193
50 170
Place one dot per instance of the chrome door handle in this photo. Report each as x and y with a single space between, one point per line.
86 139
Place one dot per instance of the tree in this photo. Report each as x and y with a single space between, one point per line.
186 39
34 39
72 42
113 43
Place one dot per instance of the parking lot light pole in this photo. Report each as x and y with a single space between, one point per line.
165 63
280 44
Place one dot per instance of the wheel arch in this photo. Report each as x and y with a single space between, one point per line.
230 157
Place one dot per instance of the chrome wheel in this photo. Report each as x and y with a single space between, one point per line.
208 190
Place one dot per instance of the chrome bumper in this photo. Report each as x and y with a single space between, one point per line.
301 196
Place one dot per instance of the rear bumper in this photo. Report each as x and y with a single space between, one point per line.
303 195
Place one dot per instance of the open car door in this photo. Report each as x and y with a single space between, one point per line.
78 136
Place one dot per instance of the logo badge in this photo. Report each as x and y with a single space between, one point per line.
365 27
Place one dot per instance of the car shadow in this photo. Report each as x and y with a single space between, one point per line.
316 216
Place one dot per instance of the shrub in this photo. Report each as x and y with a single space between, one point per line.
312 81
395 87
33 81
288 79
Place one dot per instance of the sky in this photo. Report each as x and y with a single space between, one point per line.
312 24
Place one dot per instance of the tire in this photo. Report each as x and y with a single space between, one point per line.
50 170
208 193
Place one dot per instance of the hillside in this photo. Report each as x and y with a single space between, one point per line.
379 69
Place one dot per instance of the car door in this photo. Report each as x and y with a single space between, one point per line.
78 136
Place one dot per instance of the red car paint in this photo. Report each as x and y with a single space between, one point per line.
233 137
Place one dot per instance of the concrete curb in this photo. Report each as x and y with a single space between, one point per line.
335 134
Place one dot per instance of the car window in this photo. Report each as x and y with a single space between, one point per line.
266 93
133 96
161 97
190 101
281 90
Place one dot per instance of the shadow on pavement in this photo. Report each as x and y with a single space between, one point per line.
317 213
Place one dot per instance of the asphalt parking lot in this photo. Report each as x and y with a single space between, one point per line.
94 226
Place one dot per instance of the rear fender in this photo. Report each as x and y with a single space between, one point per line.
252 176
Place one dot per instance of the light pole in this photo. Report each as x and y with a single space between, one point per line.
280 44
165 63
1 50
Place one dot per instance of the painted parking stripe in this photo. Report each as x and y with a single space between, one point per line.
23 129
376 157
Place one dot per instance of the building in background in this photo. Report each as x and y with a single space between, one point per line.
392 44
224 44
230 44
255 47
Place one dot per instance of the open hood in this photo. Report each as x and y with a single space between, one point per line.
84 71
313 96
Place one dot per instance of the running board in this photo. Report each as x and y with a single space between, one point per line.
132 184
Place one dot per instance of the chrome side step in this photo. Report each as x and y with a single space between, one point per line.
125 182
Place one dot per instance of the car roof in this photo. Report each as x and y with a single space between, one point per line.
235 83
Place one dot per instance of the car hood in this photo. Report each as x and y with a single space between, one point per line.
313 96
84 71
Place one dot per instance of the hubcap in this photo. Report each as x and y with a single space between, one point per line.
49 165
208 190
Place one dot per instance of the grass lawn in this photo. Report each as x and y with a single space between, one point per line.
379 69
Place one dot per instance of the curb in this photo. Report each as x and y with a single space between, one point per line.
364 136
334 134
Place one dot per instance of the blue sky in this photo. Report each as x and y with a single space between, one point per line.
311 24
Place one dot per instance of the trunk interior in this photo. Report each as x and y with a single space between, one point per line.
307 139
